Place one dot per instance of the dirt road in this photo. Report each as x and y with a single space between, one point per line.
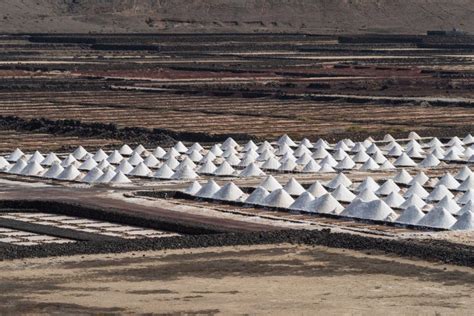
236 280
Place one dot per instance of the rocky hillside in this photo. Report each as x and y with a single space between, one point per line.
307 16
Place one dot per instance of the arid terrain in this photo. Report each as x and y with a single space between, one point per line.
277 279
197 16
95 237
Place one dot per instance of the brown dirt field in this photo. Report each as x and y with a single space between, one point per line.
284 279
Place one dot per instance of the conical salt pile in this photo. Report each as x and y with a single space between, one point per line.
50 159
251 170
186 162
88 165
264 146
271 164
257 196
164 172
346 164
438 217
304 159
449 204
402 177
108 175
4 164
216 150
185 173
69 160
466 184
104 164
159 152
270 184
69 173
404 161
228 192
463 173
367 195
151 161
452 155
396 151
124 167
325 204
388 138
93 175
329 160
413 136
469 139
412 215
79 153
342 145
15 155
247 160
358 147
387 187
33 168
207 168
413 200
208 190
293 187
369 165
54 171
233 160
135 159
306 142
285 139
115 157
372 149
448 181
339 179
368 184
361 157
466 197
321 143
250 146
179 147
439 192
171 153
464 222
326 168
317 189
195 156
339 155
394 199
172 162
468 207
387 165
417 189
193 188
415 153
311 166
225 169
302 150
302 202
379 158
140 170
283 149
287 166
125 150
374 210
229 143
342 194
100 155
429 162
194 147
278 198
420 178
120 178
37 157
320 153
18 167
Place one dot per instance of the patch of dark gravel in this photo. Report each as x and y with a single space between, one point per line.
428 250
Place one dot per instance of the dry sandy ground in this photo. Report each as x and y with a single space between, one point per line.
284 279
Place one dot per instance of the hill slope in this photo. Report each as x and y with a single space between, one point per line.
308 16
